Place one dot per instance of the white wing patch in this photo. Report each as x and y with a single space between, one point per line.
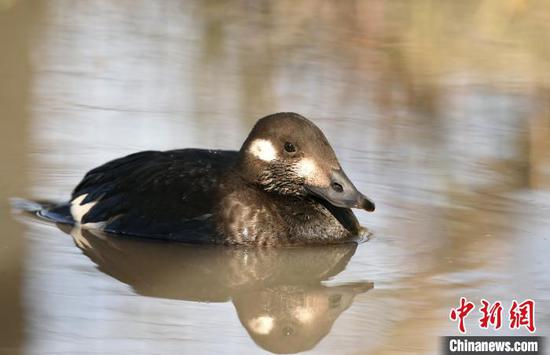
263 149
78 210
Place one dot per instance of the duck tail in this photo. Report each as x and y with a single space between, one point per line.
51 211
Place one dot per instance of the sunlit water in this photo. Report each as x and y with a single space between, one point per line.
440 113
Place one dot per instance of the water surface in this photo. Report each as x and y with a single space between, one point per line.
439 111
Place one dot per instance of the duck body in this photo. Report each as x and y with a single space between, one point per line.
259 195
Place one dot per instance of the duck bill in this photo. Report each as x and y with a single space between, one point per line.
341 192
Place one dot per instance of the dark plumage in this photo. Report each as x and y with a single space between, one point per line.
284 186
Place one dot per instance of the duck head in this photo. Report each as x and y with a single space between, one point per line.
287 154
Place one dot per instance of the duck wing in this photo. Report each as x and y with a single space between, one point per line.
164 195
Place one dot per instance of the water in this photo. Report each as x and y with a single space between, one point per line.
438 111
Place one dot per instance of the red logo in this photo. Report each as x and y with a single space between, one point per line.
520 314
523 315
491 315
461 312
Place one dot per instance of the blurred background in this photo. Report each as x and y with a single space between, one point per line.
438 110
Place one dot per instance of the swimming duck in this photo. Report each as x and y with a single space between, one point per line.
284 186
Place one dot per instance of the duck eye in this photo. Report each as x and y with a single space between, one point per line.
289 147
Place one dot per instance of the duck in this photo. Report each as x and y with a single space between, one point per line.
284 186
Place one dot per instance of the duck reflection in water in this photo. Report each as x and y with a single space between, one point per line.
278 292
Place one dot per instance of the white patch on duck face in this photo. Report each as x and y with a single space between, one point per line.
263 149
261 325
78 210
308 169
